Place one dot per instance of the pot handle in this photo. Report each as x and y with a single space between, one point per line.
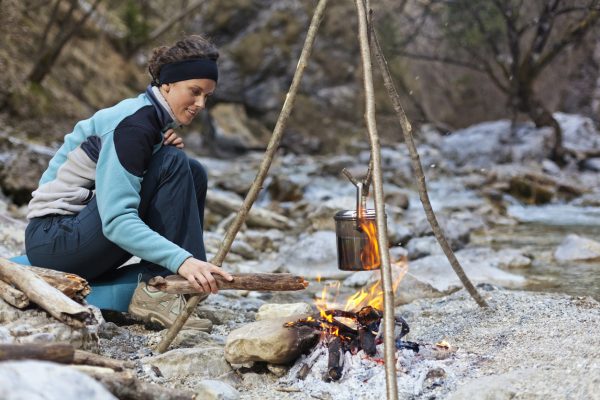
359 209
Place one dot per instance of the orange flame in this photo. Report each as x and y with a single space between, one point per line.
372 296
369 254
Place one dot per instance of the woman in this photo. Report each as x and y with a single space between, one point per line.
119 186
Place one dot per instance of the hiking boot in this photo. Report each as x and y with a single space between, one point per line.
163 308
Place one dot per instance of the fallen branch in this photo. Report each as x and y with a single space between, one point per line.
81 357
261 174
13 296
261 282
56 352
126 386
71 285
61 353
47 297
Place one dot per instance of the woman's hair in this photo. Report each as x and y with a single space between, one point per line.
193 46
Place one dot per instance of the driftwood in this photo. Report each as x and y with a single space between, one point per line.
257 217
62 353
56 352
259 282
86 358
13 296
47 297
124 385
72 286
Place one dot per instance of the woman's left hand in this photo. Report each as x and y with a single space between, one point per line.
172 139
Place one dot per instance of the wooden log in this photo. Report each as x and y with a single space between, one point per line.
367 341
47 297
126 386
335 361
260 282
71 285
56 352
13 296
86 358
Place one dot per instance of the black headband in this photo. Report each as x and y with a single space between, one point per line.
196 68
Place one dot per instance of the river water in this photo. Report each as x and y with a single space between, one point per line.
540 231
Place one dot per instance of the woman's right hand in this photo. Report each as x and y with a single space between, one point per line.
199 274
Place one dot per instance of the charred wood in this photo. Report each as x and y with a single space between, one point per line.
335 362
367 341
309 363
261 282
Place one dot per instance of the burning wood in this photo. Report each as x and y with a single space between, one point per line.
361 330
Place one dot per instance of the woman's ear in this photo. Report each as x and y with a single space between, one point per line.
166 87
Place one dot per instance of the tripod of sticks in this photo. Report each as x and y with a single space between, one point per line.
368 43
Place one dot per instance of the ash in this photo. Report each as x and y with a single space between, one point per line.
364 376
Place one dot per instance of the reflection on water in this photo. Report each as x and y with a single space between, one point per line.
539 241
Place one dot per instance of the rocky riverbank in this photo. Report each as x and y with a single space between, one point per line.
527 344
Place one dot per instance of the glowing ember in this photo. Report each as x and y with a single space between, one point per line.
443 345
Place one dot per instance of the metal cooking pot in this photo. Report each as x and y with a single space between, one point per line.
350 238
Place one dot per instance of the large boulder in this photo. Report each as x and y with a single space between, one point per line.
268 340
481 266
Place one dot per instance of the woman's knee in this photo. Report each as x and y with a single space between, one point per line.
199 173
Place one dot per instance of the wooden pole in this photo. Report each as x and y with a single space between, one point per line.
420 176
386 271
262 171
176 284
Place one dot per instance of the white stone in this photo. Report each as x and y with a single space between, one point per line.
269 311
42 380
574 247
216 390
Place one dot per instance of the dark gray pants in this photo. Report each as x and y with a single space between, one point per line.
172 203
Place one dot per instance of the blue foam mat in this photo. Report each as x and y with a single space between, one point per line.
114 294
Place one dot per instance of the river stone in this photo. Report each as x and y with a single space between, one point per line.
268 340
42 380
512 259
204 362
215 390
423 246
574 247
479 265
270 311
314 255
36 326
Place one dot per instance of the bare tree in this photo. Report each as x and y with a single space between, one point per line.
511 42
67 25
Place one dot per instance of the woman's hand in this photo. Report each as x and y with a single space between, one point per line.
172 139
199 274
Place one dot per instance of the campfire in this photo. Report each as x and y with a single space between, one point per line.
358 326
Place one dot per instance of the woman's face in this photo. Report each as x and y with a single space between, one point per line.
188 98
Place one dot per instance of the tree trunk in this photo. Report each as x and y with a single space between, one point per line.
48 56
541 116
